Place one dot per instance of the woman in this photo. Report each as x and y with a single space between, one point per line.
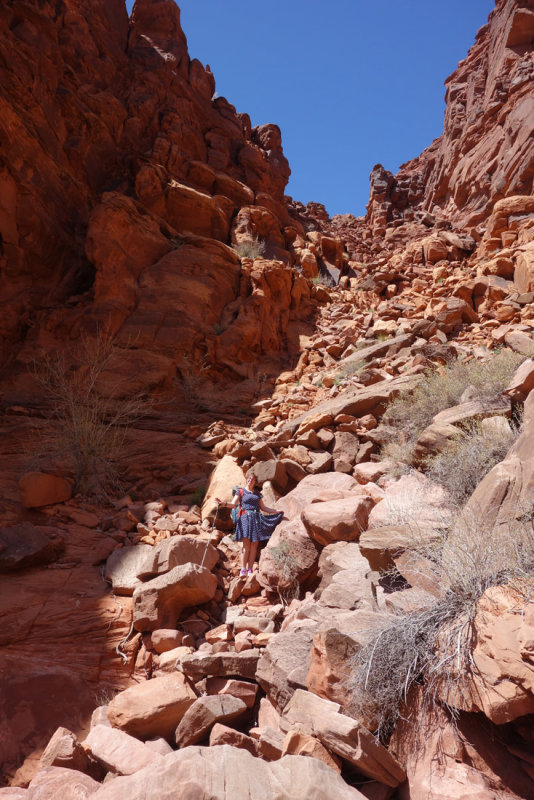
252 526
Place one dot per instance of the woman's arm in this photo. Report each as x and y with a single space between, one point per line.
227 505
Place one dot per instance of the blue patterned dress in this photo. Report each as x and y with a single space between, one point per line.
252 524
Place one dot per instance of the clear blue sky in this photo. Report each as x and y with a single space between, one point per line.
350 82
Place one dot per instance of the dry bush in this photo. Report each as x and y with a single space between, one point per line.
250 248
412 411
286 566
90 416
433 647
463 463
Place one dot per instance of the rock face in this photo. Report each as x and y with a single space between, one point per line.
488 116
270 339
133 223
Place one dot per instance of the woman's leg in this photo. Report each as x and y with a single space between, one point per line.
253 549
245 553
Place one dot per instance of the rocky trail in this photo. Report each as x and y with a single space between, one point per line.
182 321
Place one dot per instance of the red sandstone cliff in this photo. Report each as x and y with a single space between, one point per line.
123 185
486 151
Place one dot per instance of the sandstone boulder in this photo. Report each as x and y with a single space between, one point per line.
337 520
159 602
53 782
224 477
284 663
64 750
123 566
175 552
243 690
222 734
300 744
381 545
341 735
26 545
152 708
239 665
224 772
119 752
204 713
39 489
522 382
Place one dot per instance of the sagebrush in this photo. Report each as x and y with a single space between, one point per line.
412 411
286 566
468 457
250 248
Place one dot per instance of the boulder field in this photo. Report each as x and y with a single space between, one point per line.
148 251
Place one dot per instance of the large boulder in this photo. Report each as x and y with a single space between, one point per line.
342 735
501 682
199 719
39 489
285 662
159 602
175 552
230 773
51 783
64 750
25 545
506 493
224 477
338 520
123 567
152 708
200 665
117 751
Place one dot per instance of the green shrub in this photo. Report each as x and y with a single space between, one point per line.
412 411
197 498
250 248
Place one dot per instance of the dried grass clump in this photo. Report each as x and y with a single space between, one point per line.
460 467
412 411
286 566
89 414
433 648
250 248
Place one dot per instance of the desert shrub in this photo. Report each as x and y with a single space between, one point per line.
286 566
432 648
192 377
460 467
90 414
412 411
197 497
250 248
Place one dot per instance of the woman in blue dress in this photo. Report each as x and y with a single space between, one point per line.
253 526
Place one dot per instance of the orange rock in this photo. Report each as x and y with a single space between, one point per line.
152 708
41 489
301 744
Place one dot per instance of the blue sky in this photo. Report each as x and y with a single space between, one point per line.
350 82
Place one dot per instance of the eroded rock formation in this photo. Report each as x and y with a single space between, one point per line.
272 339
